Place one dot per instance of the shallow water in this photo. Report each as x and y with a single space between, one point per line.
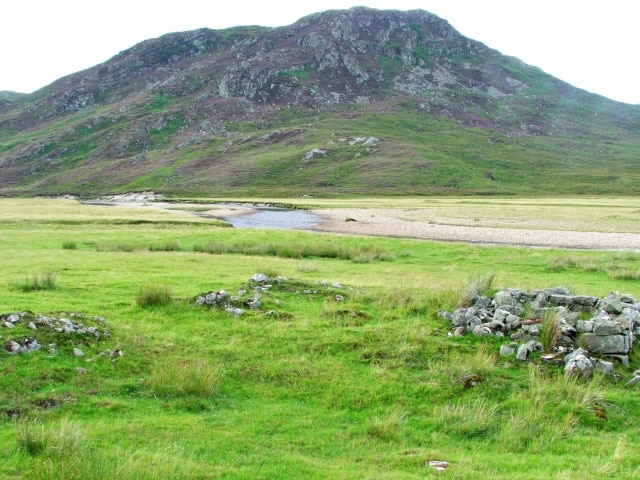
276 218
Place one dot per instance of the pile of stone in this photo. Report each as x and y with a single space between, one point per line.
591 326
233 304
72 326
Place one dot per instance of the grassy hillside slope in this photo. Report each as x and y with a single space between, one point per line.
415 154
286 112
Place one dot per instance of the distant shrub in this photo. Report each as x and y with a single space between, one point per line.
69 245
153 295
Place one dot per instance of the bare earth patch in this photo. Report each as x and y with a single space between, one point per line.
392 223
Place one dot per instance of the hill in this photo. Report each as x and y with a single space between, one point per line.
340 102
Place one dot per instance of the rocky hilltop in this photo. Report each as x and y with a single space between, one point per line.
195 111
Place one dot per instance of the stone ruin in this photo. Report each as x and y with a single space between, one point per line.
69 328
588 330
258 285
233 303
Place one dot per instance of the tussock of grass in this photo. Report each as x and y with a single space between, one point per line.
59 441
480 361
550 331
566 262
625 274
621 266
168 246
307 267
197 377
475 286
387 427
69 245
153 295
37 282
400 299
83 461
477 417
120 247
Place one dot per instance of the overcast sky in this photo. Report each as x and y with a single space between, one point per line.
592 44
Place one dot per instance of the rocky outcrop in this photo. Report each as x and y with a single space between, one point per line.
556 321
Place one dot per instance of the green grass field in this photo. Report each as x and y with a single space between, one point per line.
306 386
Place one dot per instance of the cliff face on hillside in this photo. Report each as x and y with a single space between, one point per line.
183 88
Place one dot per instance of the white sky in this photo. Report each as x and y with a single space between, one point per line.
592 44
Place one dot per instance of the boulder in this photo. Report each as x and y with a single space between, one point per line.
605 368
526 349
482 302
584 326
12 347
504 297
612 303
564 300
601 344
579 365
481 331
507 350
259 278
606 327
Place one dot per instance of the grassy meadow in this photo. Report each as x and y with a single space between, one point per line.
344 371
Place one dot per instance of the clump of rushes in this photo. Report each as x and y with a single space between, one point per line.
153 295
37 282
